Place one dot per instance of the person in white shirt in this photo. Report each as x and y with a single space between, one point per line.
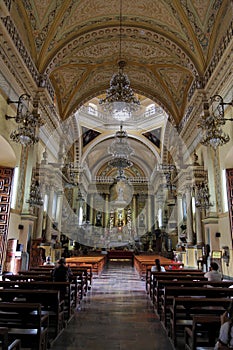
225 340
48 261
213 274
157 267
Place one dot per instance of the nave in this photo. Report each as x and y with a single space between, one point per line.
116 315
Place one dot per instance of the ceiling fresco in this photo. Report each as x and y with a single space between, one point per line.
166 45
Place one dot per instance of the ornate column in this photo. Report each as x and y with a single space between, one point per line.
134 210
179 214
149 213
91 209
106 217
49 214
40 216
199 226
59 213
189 216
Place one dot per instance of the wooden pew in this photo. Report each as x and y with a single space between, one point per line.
25 322
205 292
171 277
171 273
203 333
82 276
49 300
68 295
183 309
5 344
97 262
161 284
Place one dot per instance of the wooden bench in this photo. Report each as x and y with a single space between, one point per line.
25 322
49 300
155 276
4 341
68 290
161 284
203 334
183 309
205 292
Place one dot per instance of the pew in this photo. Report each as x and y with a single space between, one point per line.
161 284
68 290
5 344
155 276
203 333
182 311
25 322
205 292
82 275
49 300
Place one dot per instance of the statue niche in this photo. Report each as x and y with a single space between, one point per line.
120 194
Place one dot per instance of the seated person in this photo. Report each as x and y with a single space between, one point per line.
157 267
48 261
213 274
225 340
61 272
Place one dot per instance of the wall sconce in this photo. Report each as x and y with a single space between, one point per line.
26 133
211 124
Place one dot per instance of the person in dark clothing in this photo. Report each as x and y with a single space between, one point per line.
61 272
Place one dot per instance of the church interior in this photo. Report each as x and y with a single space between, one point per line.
116 131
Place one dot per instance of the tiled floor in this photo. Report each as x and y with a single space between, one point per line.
116 315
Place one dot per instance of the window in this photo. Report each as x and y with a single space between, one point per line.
15 187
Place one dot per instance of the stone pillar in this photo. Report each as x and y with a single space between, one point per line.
59 213
189 216
134 211
49 214
179 214
40 216
91 209
149 214
106 217
199 226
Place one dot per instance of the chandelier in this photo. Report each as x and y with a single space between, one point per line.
121 152
211 124
29 122
35 197
120 100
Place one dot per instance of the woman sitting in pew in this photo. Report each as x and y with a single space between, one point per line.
225 340
157 267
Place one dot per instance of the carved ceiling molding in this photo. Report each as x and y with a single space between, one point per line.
93 37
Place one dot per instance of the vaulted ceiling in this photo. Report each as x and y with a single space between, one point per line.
75 48
166 45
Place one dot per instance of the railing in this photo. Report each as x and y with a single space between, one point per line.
106 179
105 117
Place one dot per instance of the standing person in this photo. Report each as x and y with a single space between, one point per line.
213 274
157 267
61 272
225 340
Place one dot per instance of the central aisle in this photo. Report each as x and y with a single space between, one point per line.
116 315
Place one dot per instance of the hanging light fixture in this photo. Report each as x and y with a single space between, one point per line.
211 124
29 122
120 100
121 152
